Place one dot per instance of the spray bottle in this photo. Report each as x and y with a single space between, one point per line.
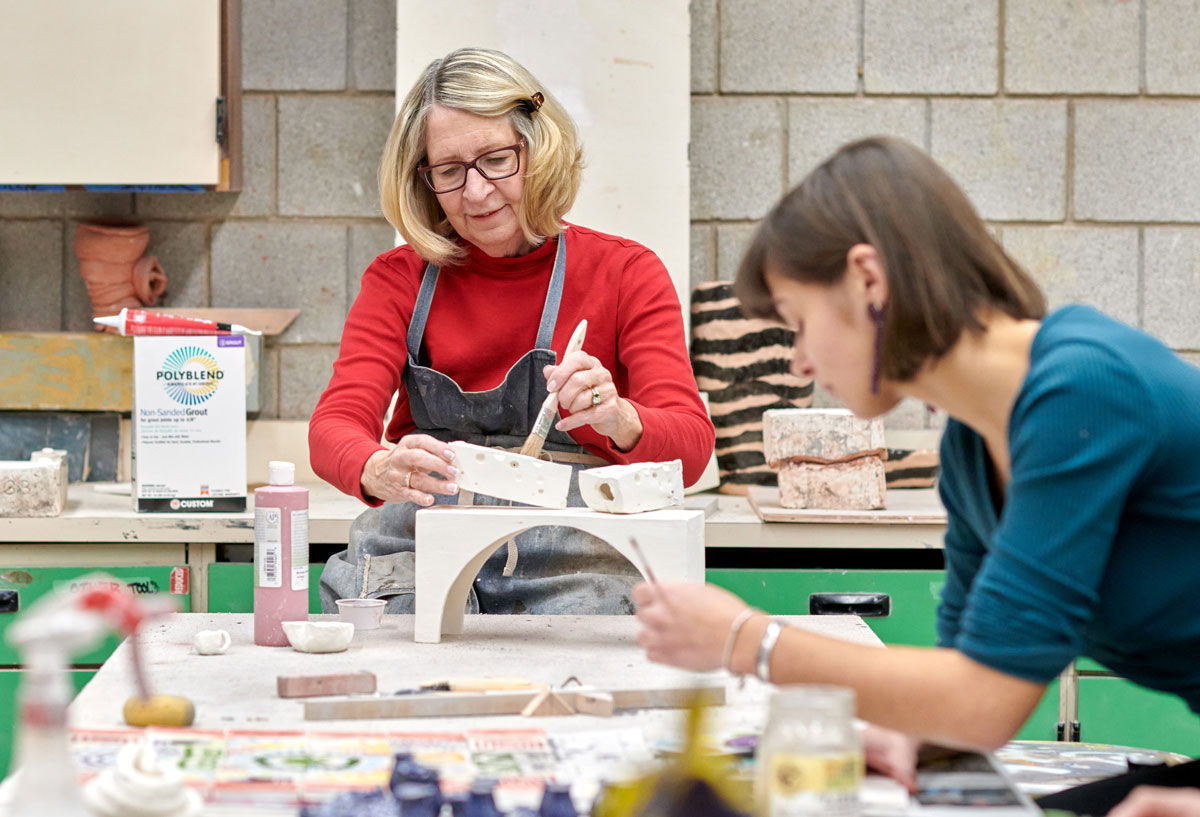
280 555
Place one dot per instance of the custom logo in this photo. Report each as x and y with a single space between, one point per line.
190 375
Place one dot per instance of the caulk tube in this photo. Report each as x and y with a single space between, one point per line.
141 322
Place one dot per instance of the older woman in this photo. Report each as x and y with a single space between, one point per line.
1070 474
464 325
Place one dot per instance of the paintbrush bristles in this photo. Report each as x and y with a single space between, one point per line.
541 426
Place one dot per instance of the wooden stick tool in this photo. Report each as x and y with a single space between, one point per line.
545 416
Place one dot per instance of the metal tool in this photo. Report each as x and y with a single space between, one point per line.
545 416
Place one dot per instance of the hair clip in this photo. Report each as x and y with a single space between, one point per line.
533 103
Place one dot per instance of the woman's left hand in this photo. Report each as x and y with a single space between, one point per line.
684 624
586 390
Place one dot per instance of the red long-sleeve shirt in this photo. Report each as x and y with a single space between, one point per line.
484 317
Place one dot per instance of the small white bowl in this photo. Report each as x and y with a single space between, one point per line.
318 636
364 614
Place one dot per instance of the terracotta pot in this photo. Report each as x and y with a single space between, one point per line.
113 267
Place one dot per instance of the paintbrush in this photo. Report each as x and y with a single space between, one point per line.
645 565
545 416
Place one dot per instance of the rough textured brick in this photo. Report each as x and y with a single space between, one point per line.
304 373
915 46
1092 265
829 435
373 45
732 240
294 45
857 485
30 274
793 47
737 157
284 265
1172 58
702 254
366 242
818 127
182 250
257 197
1071 46
1009 156
31 205
329 149
1172 285
704 45
1137 161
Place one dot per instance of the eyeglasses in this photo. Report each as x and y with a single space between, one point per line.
494 165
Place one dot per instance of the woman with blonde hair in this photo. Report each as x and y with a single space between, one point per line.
1069 467
465 324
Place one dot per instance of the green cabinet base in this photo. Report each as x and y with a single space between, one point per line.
231 587
10 682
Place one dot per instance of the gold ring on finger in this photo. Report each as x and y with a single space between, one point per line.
408 478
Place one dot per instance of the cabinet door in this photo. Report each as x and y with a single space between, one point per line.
10 683
32 583
1113 710
231 587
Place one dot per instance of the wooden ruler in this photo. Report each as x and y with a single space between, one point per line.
453 704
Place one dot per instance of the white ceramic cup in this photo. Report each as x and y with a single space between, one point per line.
211 642
364 614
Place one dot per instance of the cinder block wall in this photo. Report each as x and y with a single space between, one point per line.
1074 125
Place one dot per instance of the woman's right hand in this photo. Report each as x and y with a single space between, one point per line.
418 467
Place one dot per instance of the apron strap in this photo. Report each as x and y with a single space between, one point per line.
416 325
553 295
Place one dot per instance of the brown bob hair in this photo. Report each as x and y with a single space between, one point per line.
943 266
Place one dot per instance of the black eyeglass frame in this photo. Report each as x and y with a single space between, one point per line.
424 171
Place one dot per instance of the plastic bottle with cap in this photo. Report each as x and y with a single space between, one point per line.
280 554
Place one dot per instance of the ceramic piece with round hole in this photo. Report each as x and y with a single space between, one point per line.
635 488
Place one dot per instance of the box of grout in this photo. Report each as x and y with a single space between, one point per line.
189 423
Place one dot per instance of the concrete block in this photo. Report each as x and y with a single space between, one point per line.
1010 156
819 435
634 488
1172 58
366 242
32 205
182 250
855 485
732 240
304 373
269 382
1172 285
737 157
1071 46
809 47
76 305
329 149
918 47
294 45
373 45
453 543
702 254
1137 160
31 263
704 45
818 127
85 206
257 196
297 265
34 488
909 414
515 477
1074 264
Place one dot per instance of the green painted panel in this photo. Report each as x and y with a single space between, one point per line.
914 594
1113 710
231 587
1043 722
10 681
34 582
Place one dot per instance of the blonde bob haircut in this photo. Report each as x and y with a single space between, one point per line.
487 83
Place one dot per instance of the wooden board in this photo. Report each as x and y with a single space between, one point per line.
267 321
66 371
920 506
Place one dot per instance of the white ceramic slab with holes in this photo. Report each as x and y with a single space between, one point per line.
453 543
506 475
641 486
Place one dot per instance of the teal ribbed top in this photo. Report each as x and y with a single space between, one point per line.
1095 548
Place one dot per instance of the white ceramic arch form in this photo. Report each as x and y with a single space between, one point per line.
453 543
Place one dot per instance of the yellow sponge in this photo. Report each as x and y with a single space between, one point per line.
159 710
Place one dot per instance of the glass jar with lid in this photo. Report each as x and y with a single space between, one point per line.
810 757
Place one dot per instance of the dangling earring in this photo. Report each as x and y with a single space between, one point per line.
876 315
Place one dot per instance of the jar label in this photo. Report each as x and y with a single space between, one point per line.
300 550
798 784
268 547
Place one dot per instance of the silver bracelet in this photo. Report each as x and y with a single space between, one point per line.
762 664
734 629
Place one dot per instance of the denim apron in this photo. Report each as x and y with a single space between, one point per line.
561 570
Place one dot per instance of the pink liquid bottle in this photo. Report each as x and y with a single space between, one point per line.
280 555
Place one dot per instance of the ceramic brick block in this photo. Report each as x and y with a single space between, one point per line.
818 435
634 488
34 488
510 476
855 485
